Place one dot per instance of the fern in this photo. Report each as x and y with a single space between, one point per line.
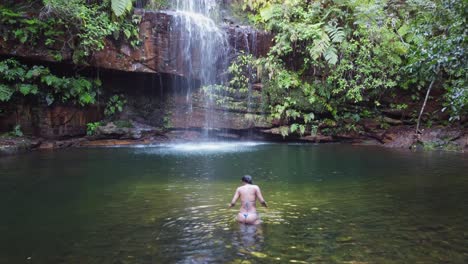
336 34
320 45
120 7
5 92
331 55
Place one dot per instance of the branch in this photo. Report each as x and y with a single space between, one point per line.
423 106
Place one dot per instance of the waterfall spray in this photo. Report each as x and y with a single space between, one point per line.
204 47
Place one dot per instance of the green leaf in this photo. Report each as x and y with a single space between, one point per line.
5 92
309 117
336 34
50 99
267 13
302 129
294 127
331 55
284 130
120 7
26 89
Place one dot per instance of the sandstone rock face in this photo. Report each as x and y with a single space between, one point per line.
199 114
53 122
158 52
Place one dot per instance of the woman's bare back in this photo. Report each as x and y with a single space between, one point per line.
248 194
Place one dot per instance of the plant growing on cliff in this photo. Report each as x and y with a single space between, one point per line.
437 38
19 26
17 79
92 127
91 24
115 105
157 4
79 25
16 132
330 56
120 7
238 93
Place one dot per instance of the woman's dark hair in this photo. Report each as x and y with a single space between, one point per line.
247 179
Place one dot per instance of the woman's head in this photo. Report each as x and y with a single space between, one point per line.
247 179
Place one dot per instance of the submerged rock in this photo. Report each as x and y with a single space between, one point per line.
344 239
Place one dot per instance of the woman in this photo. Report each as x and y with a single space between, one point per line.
248 194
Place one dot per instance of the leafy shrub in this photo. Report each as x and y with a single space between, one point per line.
16 132
22 80
92 127
75 24
115 105
331 55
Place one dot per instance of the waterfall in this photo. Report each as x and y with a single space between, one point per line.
203 47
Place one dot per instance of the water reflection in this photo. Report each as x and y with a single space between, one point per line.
328 204
249 238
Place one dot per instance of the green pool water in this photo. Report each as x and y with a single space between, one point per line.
168 204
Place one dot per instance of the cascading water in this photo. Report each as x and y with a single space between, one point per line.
204 47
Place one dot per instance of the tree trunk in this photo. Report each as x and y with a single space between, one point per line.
423 106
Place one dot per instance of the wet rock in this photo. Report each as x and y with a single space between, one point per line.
51 122
111 130
113 143
369 124
47 145
258 254
392 121
462 142
125 130
344 239
319 138
14 145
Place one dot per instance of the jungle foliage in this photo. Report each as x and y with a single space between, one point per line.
77 25
238 93
19 80
335 58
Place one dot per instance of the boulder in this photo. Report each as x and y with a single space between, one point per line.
125 130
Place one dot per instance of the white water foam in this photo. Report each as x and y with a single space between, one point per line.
199 148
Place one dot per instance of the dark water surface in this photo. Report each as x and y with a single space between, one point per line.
168 204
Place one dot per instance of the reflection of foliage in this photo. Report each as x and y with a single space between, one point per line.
17 79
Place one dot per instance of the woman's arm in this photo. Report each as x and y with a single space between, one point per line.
234 199
258 192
